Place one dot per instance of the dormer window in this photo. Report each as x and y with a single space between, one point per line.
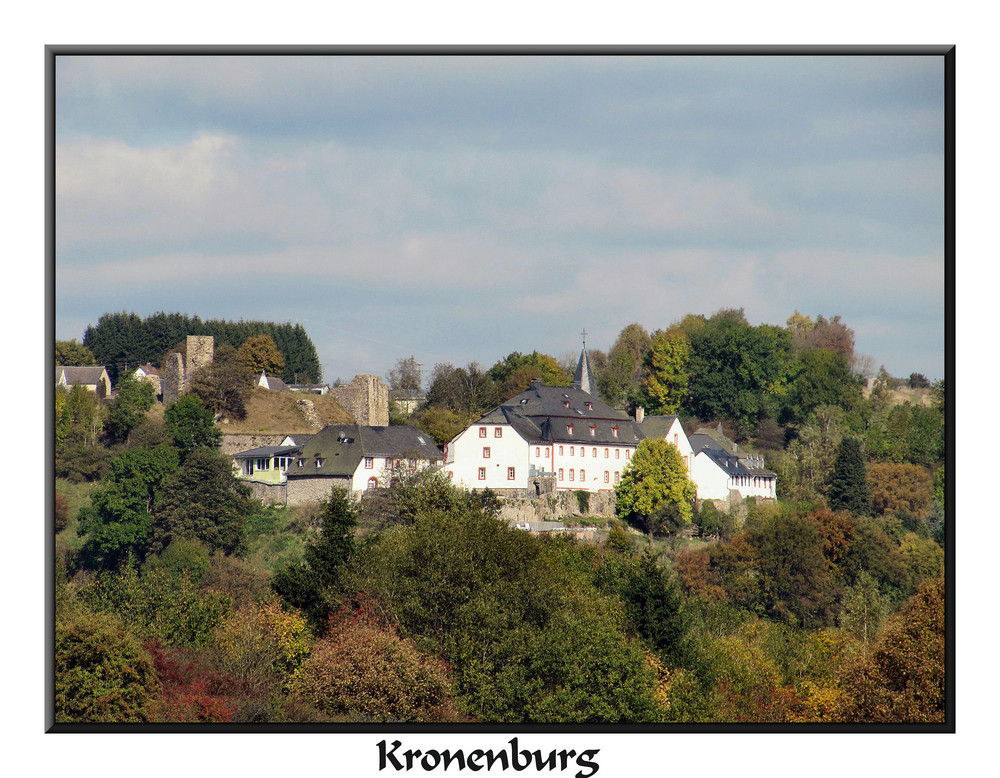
320 461
566 403
590 406
593 430
614 431
569 428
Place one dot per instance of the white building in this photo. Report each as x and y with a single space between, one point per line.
720 471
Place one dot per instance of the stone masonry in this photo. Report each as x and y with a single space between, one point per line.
366 398
177 371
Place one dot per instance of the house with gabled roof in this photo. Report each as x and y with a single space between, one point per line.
270 382
722 472
94 379
357 458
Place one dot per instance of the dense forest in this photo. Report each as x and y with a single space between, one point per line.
180 599
120 341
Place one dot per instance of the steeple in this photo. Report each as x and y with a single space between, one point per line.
583 378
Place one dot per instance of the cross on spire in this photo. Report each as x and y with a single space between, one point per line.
584 334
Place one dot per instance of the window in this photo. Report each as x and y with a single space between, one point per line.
572 474
594 453
614 431
607 453
319 461
572 449
498 432
618 453
628 454
537 452
607 477
482 474
677 442
593 430
369 463
569 429
302 463
590 406
617 476
583 474
482 432
560 474
560 451
546 453
510 473
486 452
373 483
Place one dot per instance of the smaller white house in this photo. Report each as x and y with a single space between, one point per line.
668 428
272 383
721 472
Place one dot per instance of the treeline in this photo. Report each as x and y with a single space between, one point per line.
421 605
123 341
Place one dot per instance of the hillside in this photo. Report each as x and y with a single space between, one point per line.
283 412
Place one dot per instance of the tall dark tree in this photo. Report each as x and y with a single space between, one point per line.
312 587
849 482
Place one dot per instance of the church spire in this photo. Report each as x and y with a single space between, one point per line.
583 378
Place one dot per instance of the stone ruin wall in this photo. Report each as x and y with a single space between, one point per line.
177 372
366 399
172 378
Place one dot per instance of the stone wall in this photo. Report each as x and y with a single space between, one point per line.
366 399
556 505
305 489
269 493
200 352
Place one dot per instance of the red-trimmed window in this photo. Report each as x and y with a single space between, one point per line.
593 430
614 431
594 453
607 453
628 453
482 432
583 474
538 451
498 432
546 453
569 429
572 474
617 476
560 451
618 453
560 474
373 483
369 463
510 473
486 452
482 474
607 477
572 450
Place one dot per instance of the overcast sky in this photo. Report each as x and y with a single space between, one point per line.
460 208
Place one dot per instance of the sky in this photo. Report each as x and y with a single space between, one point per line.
459 208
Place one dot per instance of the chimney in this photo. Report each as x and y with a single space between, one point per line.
640 414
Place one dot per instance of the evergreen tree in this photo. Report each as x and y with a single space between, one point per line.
849 482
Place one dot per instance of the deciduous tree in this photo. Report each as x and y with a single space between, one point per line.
666 385
654 477
191 425
133 399
260 354
69 352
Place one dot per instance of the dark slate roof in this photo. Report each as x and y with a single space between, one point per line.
656 426
341 447
727 455
276 384
267 452
583 377
80 375
541 415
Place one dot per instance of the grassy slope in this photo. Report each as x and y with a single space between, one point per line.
275 412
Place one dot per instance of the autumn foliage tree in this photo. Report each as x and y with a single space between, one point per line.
655 478
260 354
899 488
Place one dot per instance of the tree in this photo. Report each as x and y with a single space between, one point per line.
514 373
900 488
865 608
666 364
655 477
202 501
133 399
260 354
365 671
902 678
736 371
102 674
849 482
467 391
823 378
404 378
313 585
191 425
118 524
620 382
225 385
69 352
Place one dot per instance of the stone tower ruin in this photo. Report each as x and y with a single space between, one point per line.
366 398
178 370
